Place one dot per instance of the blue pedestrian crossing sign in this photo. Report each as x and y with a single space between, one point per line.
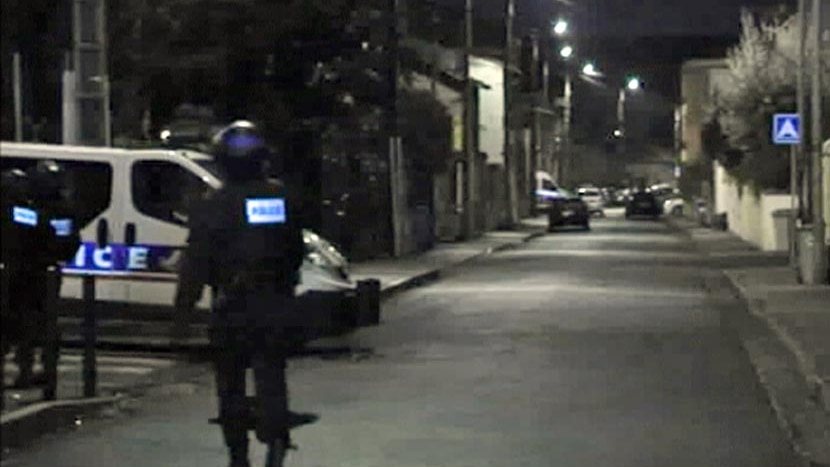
786 129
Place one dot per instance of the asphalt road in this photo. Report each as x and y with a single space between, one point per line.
601 348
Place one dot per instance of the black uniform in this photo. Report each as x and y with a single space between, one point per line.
26 242
58 241
245 242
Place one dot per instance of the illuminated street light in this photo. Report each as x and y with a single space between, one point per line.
589 69
566 51
561 27
633 84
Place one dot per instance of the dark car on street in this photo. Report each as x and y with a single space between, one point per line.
643 203
567 208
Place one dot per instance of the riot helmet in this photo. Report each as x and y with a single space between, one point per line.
15 186
48 181
240 151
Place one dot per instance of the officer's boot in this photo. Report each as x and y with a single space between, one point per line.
276 453
24 358
239 453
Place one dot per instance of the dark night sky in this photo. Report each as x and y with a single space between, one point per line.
649 38
633 17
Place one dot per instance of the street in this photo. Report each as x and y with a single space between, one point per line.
600 348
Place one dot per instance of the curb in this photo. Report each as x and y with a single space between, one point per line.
25 425
790 399
788 389
435 274
811 379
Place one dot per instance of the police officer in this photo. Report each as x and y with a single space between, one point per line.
48 190
24 233
246 243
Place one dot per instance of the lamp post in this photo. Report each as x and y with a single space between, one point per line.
512 211
819 251
565 164
632 84
471 192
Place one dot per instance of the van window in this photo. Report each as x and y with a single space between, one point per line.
165 190
88 185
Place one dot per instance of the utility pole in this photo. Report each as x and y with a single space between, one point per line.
512 208
89 40
471 187
566 163
391 123
621 112
819 251
17 83
797 151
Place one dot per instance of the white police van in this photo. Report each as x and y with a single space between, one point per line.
133 209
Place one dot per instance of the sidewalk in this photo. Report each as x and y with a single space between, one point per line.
791 351
25 417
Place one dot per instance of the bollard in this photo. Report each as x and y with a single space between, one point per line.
51 344
89 333
5 304
368 295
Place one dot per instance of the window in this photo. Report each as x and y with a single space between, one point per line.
165 191
88 188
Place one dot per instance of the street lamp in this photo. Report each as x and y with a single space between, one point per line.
589 69
566 52
560 27
632 84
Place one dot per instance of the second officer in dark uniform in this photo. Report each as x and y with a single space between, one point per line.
246 244
48 186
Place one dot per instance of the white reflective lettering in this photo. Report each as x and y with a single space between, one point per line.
102 257
138 258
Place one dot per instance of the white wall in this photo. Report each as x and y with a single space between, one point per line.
491 107
826 198
749 216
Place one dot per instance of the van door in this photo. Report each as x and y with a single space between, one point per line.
160 195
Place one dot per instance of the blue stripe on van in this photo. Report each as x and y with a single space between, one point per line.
121 259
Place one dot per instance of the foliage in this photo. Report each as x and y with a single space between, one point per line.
426 130
761 81
248 59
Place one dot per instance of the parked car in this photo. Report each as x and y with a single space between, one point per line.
674 206
568 209
324 268
593 199
643 203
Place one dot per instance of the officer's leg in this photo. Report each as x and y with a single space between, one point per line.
272 403
230 365
24 353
